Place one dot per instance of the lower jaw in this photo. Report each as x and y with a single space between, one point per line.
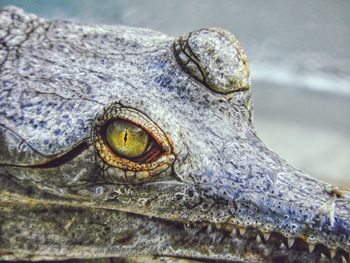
202 242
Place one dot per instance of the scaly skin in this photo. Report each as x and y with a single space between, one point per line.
213 191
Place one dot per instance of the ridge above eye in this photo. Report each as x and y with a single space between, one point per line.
214 57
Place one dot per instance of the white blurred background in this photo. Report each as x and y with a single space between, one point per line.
299 54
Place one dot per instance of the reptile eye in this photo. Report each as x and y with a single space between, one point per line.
130 147
127 139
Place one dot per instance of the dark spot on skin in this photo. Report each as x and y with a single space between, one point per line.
205 206
57 132
178 197
43 124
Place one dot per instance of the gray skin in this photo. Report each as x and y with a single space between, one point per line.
221 195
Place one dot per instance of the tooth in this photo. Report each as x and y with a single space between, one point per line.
290 242
213 237
219 239
311 248
343 259
266 236
209 229
242 230
258 238
233 232
283 246
218 226
323 256
333 252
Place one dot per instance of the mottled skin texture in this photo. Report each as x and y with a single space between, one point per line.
222 196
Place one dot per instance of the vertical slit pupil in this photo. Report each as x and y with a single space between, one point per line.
125 137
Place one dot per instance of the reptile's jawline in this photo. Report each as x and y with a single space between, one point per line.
214 192
60 159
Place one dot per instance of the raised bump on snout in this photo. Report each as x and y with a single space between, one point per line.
214 57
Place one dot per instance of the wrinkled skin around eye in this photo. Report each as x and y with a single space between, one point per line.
127 139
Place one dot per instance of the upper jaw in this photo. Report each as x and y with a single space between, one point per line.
251 224
315 221
312 240
297 214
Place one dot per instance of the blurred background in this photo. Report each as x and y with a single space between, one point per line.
299 53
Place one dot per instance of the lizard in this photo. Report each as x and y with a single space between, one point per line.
125 143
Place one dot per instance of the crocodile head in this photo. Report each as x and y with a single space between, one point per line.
124 142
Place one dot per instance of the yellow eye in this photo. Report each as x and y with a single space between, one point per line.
130 147
127 139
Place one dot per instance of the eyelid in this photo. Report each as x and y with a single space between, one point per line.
120 168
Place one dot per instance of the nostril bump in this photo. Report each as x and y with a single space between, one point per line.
214 57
